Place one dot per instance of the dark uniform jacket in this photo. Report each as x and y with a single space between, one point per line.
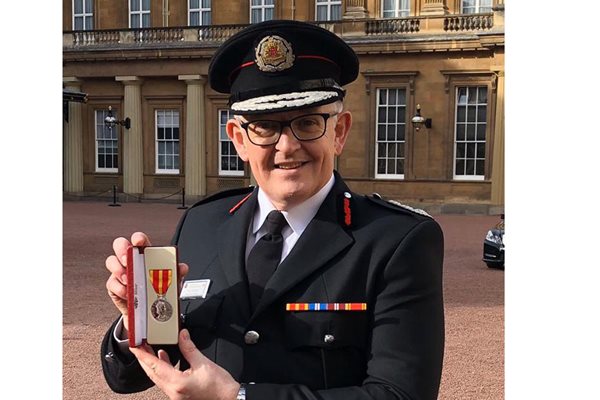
356 250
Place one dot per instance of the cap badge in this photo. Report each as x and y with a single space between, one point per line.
274 54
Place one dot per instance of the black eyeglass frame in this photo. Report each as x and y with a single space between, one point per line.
288 123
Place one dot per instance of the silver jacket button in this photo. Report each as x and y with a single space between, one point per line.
251 337
329 339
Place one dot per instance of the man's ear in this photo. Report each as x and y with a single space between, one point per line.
236 134
342 128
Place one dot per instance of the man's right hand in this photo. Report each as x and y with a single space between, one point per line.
117 265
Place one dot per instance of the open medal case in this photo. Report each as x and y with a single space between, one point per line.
152 295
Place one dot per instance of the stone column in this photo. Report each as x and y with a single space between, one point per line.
434 7
195 136
73 142
355 9
133 152
497 175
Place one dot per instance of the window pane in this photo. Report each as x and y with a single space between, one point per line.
336 11
460 150
134 5
268 14
194 3
470 131
382 115
391 134
382 97
176 133
225 149
400 132
321 13
400 166
160 133
471 114
470 167
479 167
255 16
176 162
401 117
146 5
381 166
461 114
391 150
206 18
472 95
78 24
482 98
391 167
392 114
381 132
381 149
135 20
89 5
480 150
146 21
89 23
460 167
460 131
462 95
480 131
392 94
78 6
470 150
194 18
206 3
481 113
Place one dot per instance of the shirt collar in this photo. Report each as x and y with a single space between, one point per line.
297 217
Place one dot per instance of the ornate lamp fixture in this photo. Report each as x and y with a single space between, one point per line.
111 121
418 120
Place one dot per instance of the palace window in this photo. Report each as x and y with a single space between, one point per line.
470 132
229 161
475 6
390 133
395 8
139 13
199 12
328 10
83 15
167 141
261 10
107 143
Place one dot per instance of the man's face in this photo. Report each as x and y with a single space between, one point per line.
291 171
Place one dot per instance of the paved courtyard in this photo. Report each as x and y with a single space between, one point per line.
474 299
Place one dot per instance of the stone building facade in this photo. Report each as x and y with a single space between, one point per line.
148 60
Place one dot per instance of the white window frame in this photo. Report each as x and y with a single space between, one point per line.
114 129
141 13
172 140
478 143
223 140
329 4
84 14
477 7
201 11
263 7
397 142
401 9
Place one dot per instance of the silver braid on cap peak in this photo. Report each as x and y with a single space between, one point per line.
279 101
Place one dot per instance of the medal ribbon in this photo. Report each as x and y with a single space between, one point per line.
161 280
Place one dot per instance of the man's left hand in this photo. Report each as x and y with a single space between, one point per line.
204 380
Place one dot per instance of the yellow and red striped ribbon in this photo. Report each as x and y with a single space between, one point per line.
161 280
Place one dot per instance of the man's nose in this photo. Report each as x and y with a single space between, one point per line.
287 140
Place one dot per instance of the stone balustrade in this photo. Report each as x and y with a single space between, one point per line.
218 33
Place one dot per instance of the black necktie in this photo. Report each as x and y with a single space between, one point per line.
265 256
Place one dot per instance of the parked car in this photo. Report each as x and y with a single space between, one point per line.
493 246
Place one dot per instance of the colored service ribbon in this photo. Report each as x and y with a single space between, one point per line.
161 280
326 306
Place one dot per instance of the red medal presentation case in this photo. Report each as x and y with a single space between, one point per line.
152 295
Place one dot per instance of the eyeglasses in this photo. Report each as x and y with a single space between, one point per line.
306 127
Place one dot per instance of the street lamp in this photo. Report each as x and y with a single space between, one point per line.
111 121
419 121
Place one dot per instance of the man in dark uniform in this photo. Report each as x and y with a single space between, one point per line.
315 292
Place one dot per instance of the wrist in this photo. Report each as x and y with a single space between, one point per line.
241 395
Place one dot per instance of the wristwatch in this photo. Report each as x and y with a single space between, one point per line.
242 392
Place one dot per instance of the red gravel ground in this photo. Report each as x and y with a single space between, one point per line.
474 299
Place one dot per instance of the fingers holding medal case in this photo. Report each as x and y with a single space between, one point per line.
152 295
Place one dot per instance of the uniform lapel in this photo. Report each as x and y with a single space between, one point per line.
322 240
232 247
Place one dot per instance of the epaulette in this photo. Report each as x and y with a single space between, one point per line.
223 194
395 205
